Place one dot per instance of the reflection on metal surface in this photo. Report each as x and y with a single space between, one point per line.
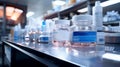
26 43
81 56
69 44
75 53
81 52
109 48
111 56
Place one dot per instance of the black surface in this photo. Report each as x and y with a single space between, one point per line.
79 56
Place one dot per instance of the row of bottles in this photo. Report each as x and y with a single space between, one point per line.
37 33
83 32
60 33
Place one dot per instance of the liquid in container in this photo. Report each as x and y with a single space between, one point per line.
61 33
83 31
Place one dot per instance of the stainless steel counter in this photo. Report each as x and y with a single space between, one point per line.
79 56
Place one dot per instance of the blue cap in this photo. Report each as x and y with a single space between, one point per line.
44 23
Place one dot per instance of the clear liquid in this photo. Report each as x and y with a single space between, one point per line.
84 38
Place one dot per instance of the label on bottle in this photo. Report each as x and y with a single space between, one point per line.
44 39
84 36
100 38
62 35
27 37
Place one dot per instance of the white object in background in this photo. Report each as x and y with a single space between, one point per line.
97 15
111 56
27 37
29 14
57 4
62 32
83 10
50 11
103 4
50 25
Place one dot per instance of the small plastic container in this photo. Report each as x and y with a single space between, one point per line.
83 31
61 33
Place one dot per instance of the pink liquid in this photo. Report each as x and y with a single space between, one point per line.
69 44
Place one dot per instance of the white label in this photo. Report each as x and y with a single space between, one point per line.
62 35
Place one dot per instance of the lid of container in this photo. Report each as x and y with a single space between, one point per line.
82 19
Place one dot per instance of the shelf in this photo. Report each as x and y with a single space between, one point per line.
108 31
66 11
112 23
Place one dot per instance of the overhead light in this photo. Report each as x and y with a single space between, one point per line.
58 2
9 11
103 4
30 14
83 10
16 14
1 11
109 2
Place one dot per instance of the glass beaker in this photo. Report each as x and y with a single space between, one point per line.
61 33
83 32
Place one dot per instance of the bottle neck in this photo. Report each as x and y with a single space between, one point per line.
97 3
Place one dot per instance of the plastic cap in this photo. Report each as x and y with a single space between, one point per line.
97 3
43 23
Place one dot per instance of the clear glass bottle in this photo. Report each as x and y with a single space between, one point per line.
83 31
61 33
45 35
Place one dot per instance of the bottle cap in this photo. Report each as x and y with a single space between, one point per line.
97 3
43 23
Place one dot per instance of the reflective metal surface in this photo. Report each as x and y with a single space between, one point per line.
81 56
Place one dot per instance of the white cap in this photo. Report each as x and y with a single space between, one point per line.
97 3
